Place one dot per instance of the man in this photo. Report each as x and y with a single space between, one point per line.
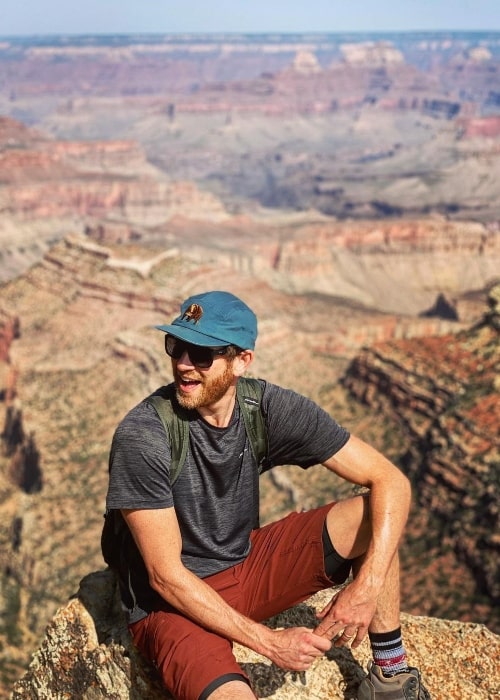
200 573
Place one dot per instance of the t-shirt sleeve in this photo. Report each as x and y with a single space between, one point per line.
139 462
300 432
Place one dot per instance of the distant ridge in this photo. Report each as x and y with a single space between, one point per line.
242 37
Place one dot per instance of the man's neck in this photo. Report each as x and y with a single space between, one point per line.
219 414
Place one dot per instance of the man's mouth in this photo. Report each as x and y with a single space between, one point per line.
187 385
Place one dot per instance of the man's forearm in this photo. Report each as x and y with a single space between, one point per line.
202 604
389 508
293 648
389 500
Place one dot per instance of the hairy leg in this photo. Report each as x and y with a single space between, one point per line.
386 616
348 524
233 690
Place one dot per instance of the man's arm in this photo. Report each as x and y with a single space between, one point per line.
389 500
158 537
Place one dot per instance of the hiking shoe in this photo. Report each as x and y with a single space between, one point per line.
403 686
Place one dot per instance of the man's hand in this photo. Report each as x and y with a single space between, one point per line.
295 648
158 536
347 615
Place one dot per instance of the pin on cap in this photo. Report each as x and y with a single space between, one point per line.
213 319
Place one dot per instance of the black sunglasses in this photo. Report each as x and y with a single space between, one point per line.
199 355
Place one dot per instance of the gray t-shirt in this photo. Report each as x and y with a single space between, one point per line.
216 496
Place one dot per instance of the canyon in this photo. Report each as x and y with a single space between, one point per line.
134 131
348 189
80 349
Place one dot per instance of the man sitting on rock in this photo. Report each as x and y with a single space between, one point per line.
199 572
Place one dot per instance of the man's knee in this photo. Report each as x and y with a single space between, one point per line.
349 526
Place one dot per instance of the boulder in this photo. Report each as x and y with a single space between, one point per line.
87 655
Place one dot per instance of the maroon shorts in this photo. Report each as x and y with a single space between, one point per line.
285 566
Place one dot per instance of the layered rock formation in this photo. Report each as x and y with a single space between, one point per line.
393 266
109 190
444 393
417 258
146 66
373 54
354 128
87 653
50 188
82 351
487 127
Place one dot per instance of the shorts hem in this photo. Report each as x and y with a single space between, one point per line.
221 680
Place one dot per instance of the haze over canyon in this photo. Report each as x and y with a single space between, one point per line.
346 186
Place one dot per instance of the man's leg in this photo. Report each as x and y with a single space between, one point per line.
234 690
348 524
193 663
280 571
388 604
348 527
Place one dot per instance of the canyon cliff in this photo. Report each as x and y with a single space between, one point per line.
347 188
80 350
87 654
49 188
443 395
124 134
113 194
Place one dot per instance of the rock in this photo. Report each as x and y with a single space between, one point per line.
451 456
24 469
371 54
305 62
483 127
87 652
442 308
87 655
493 313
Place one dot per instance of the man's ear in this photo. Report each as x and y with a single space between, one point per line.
242 362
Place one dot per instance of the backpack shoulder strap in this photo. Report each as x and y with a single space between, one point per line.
175 422
249 394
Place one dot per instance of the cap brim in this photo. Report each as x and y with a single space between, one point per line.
190 335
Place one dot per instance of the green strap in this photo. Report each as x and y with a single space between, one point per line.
249 394
176 422
176 426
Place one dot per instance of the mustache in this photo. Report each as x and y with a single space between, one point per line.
188 376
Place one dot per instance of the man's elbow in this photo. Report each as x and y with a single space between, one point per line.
158 583
404 489
165 585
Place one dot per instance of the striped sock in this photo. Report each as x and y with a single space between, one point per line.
388 652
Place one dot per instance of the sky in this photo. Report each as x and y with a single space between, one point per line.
39 17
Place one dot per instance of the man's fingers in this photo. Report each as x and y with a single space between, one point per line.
342 640
321 643
360 635
346 636
329 628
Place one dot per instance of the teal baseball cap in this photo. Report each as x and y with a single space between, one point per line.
214 319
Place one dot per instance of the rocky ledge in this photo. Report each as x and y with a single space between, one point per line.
87 654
